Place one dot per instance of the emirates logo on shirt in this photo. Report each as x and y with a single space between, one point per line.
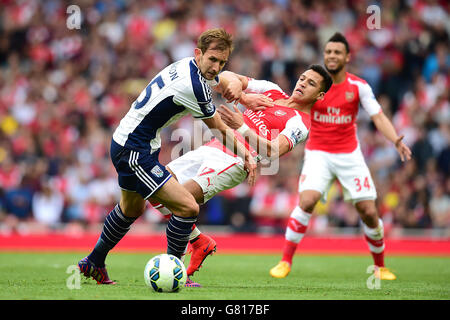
257 121
331 118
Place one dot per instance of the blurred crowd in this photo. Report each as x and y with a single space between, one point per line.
63 91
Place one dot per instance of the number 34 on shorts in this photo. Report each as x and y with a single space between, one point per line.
359 185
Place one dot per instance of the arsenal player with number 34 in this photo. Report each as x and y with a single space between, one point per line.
333 152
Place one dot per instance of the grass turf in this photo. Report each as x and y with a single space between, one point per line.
35 276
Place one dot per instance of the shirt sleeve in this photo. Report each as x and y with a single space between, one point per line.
198 109
295 131
367 99
261 86
196 97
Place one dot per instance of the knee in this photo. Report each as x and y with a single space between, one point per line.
194 210
368 213
132 210
307 202
191 209
306 205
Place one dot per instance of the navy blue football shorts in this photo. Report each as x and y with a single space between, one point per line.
138 171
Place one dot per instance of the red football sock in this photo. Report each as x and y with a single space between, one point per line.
289 251
375 240
378 259
377 250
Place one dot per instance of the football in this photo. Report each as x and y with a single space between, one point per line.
165 273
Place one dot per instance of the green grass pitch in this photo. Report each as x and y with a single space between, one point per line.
35 276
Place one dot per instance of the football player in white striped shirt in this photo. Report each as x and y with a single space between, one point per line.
181 88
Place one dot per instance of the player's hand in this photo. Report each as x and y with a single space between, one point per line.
250 167
402 149
256 101
233 91
232 119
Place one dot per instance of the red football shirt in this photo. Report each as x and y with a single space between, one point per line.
271 122
333 119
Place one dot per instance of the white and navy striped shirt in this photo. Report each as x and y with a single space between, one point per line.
177 90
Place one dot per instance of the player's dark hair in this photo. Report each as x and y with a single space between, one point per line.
339 37
221 40
326 81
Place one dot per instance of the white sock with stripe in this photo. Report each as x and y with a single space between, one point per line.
375 241
297 225
296 228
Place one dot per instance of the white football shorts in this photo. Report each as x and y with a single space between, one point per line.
211 168
320 169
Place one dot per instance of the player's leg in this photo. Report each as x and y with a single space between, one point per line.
358 186
298 222
179 228
118 222
193 188
218 172
115 227
374 235
315 180
196 238
195 233
295 231
183 169
201 245
141 172
373 229
184 210
204 172
214 174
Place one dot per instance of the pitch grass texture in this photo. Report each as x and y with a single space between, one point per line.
35 276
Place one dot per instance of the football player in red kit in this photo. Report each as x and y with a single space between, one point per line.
333 152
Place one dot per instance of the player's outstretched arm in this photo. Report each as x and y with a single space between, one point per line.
384 125
269 148
229 75
229 88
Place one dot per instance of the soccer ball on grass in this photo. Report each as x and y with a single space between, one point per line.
165 273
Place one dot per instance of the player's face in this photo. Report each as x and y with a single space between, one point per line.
307 89
211 62
335 57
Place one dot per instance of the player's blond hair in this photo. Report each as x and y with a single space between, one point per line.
216 39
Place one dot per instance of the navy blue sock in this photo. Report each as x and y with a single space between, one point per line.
177 231
114 229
